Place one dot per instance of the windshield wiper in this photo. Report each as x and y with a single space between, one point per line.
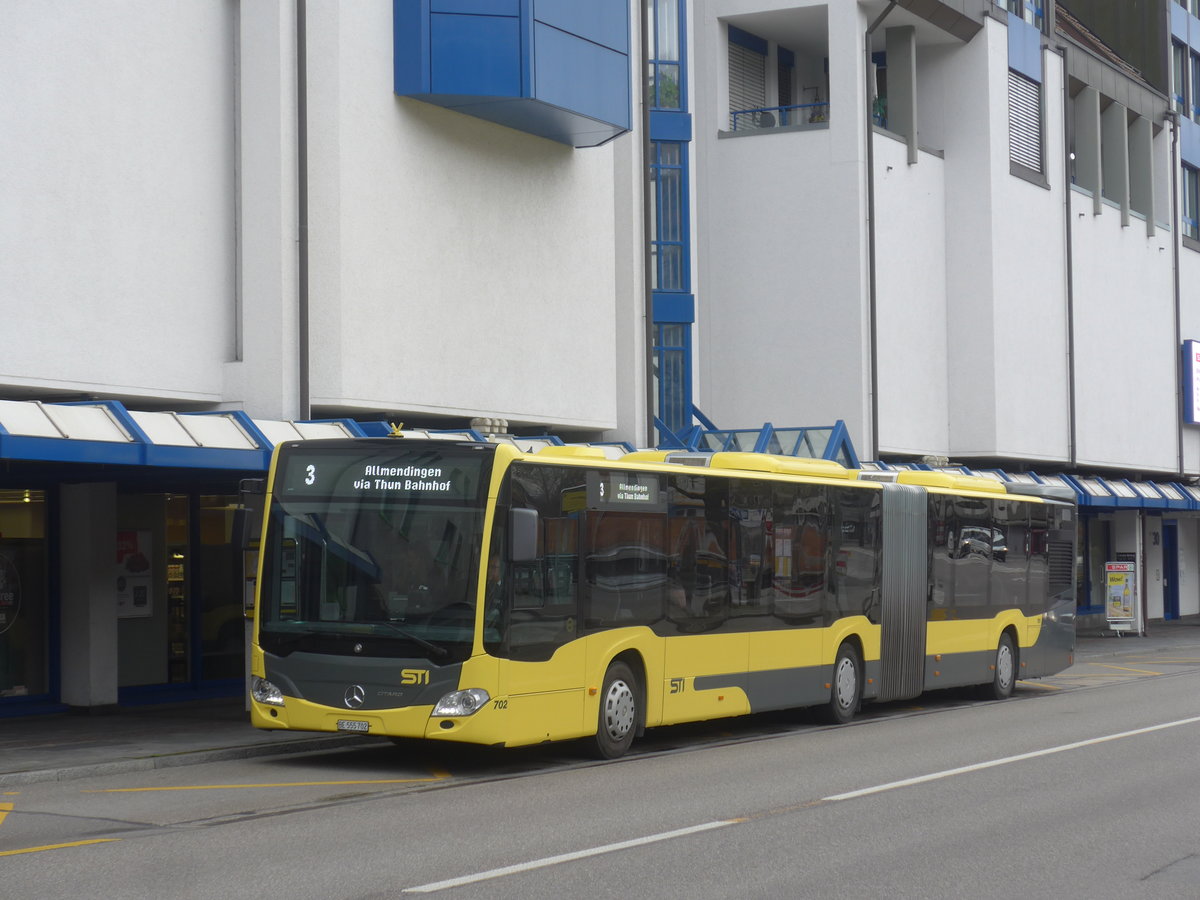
420 641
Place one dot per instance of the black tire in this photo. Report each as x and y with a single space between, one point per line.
1004 670
620 712
846 686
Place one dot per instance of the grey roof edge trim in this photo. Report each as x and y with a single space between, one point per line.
1045 491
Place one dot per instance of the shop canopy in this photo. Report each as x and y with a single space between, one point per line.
107 433
1093 492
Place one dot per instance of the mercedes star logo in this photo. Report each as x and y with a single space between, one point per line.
355 695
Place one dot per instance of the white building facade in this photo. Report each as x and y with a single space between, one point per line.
960 228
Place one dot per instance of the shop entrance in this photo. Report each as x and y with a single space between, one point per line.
1170 564
179 585
24 620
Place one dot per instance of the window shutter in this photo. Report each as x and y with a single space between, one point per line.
1024 121
747 82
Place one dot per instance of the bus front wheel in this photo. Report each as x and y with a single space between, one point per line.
618 718
846 688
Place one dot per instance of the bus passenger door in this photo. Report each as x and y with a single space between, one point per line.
542 676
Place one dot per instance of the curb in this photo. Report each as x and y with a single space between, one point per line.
182 758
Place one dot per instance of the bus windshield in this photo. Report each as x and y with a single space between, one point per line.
373 550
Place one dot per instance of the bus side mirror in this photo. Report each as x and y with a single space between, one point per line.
523 534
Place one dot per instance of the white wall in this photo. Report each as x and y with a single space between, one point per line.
116 246
911 302
458 266
1189 277
1125 339
781 246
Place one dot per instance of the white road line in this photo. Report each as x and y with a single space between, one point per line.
566 857
934 776
849 795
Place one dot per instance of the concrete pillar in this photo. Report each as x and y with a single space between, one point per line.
89 597
1087 144
1114 156
1141 170
902 85
264 379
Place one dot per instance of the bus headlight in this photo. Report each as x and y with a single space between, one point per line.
462 703
265 692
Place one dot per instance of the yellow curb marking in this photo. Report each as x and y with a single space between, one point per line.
59 846
437 776
1125 669
1038 684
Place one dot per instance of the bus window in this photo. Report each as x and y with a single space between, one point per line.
800 525
752 552
626 568
856 553
698 515
539 597
1010 562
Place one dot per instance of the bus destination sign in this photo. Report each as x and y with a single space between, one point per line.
343 474
616 490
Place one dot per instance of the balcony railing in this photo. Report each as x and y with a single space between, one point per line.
780 116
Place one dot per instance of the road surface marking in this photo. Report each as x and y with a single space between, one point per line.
1125 669
991 764
5 809
436 776
567 857
58 846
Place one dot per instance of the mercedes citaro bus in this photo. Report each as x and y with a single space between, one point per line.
462 591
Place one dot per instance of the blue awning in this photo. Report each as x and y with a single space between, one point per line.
107 433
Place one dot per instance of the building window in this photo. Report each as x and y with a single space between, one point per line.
1195 85
666 61
1024 121
672 363
1031 11
668 223
747 80
1191 203
1179 78
785 72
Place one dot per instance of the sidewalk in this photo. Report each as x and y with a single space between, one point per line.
67 746
70 745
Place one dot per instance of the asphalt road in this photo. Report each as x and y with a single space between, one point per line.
1074 789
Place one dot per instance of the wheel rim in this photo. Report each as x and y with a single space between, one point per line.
845 682
619 710
1004 666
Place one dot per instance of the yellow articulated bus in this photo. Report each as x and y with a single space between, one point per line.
469 592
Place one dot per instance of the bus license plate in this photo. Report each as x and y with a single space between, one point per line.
353 725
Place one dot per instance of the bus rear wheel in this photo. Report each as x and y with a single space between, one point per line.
1004 675
846 687
618 718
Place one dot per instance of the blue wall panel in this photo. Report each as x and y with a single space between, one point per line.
1189 142
477 7
410 48
560 70
578 75
475 55
605 23
1024 48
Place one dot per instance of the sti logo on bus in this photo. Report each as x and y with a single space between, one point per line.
414 676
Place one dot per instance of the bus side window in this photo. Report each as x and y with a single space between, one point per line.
544 608
698 568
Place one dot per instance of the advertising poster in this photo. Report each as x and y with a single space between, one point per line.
134 575
1121 596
